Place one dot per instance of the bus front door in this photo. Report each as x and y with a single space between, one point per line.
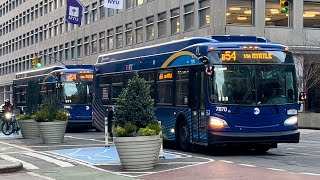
199 127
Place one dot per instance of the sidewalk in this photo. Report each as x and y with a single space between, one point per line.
7 166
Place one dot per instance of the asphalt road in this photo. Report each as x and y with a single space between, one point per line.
83 156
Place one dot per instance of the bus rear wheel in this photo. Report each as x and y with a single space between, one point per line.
183 136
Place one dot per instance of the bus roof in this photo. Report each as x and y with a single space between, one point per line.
47 70
223 40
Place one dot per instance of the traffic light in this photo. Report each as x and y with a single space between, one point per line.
36 62
284 6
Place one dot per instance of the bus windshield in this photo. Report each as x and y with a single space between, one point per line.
260 84
76 92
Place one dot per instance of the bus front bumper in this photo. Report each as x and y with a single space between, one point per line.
219 138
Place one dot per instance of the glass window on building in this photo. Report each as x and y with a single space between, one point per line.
110 12
102 9
129 4
240 12
94 44
119 37
73 49
94 12
175 21
67 52
274 16
110 38
61 52
139 2
189 17
139 31
150 28
162 24
311 14
102 41
204 13
79 47
129 36
86 46
86 15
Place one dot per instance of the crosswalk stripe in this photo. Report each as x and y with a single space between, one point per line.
25 164
49 159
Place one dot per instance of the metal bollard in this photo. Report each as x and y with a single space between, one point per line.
161 153
106 133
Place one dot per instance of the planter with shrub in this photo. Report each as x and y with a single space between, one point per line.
137 131
29 127
52 121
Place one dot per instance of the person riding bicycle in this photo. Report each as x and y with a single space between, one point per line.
8 107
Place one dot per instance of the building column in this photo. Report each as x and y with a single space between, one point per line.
259 17
218 12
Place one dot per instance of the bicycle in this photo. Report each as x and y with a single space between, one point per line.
9 124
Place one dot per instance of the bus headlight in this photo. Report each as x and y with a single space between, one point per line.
217 123
291 121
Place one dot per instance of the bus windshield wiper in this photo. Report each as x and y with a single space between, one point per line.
274 103
245 98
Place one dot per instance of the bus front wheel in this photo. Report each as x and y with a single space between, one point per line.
183 136
261 149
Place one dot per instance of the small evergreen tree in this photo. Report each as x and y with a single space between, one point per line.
32 97
135 107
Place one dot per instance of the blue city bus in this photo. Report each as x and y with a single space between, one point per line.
212 91
71 84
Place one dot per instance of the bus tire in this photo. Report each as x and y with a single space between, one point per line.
183 136
261 149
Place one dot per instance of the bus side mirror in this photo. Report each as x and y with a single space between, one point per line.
303 96
204 59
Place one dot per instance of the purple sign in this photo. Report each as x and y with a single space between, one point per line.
74 12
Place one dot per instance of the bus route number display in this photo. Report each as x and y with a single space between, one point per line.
75 77
244 56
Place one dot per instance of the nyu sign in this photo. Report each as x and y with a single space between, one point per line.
74 12
113 4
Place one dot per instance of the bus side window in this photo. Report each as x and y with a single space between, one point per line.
182 86
165 87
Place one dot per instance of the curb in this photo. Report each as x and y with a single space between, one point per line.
8 167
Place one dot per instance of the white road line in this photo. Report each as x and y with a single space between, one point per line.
225 161
14 152
68 159
247 165
274 169
49 159
169 163
84 139
180 168
65 145
25 164
312 174
40 176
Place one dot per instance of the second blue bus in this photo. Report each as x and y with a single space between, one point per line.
71 84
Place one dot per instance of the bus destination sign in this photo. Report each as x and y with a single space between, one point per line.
75 77
250 56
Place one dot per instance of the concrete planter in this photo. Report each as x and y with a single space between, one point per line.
138 153
29 128
52 132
